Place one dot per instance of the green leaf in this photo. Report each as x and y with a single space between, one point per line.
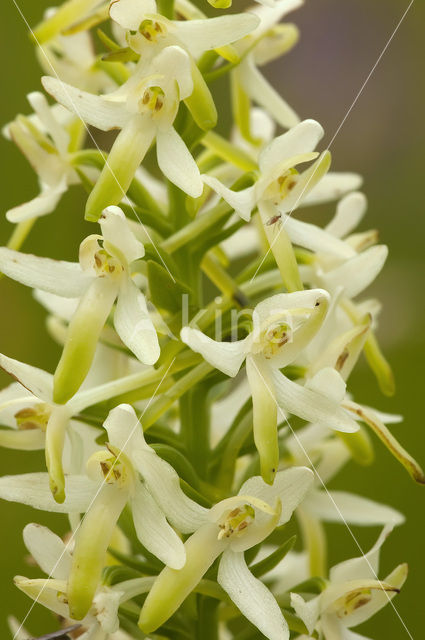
166 293
271 561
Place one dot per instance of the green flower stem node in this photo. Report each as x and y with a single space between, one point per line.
92 540
83 334
173 586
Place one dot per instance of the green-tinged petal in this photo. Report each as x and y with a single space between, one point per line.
91 543
340 506
363 567
48 550
290 487
116 232
251 596
302 138
70 12
173 585
33 489
26 440
224 356
262 92
133 323
202 35
128 151
98 111
83 334
243 202
280 39
39 206
39 382
281 247
314 541
332 187
177 163
308 611
349 213
311 405
356 274
164 484
379 365
49 593
153 530
55 276
55 439
394 447
264 415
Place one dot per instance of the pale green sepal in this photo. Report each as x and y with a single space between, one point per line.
220 4
92 541
64 17
264 416
241 107
83 334
55 438
281 247
127 153
379 365
200 103
314 539
228 152
173 585
25 440
360 446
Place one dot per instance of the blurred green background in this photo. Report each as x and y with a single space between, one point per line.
383 139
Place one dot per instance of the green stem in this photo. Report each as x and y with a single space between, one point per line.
228 152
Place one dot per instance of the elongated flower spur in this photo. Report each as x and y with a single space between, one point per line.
202 399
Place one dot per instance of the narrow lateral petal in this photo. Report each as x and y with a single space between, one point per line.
349 212
224 356
39 206
312 237
99 111
311 405
153 530
356 274
65 279
39 382
363 567
251 596
33 489
332 187
133 323
340 506
177 163
48 550
243 202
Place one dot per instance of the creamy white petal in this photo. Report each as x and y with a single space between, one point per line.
308 611
63 308
164 484
243 202
153 530
349 212
202 35
39 206
265 95
302 138
272 15
34 489
124 429
311 405
332 187
133 323
48 550
340 506
366 566
174 64
316 239
356 274
39 382
251 596
328 383
290 487
130 13
99 111
177 163
224 356
55 276
116 231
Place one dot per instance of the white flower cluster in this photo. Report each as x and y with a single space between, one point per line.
178 473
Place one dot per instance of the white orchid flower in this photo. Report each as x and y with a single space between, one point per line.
229 528
47 142
103 274
353 595
114 479
144 108
282 326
